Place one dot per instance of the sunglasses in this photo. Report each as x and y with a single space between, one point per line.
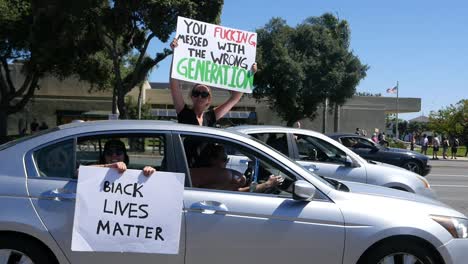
110 152
203 94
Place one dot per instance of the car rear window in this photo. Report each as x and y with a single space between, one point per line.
22 139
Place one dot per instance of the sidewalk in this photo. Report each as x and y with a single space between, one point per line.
448 159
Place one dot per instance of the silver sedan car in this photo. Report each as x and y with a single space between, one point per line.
303 218
327 157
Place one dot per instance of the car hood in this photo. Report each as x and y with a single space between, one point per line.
408 152
373 196
368 189
376 167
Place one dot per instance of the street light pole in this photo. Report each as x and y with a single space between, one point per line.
397 110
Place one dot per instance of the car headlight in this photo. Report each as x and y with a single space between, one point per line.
457 227
425 182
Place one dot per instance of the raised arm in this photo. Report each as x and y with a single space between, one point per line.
174 85
225 107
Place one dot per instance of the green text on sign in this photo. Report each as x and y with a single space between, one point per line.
207 71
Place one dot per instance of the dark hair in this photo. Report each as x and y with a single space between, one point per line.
209 153
114 143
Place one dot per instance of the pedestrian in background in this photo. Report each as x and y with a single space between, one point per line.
425 143
455 144
445 146
435 147
34 126
412 142
358 131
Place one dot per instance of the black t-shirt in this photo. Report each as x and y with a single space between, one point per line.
187 116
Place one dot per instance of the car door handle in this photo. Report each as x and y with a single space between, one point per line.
59 194
209 207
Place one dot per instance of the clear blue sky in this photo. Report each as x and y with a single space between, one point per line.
421 44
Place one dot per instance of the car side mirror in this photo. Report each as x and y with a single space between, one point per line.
303 191
349 162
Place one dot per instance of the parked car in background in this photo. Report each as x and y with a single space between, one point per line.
326 157
304 218
370 150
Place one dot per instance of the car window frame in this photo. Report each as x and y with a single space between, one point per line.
248 147
32 170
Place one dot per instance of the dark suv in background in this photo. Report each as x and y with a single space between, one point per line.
368 149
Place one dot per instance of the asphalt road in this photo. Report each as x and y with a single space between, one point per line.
449 178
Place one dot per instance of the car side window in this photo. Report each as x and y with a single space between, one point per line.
315 149
56 160
212 167
363 143
138 150
278 141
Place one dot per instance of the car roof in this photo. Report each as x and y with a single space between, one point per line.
336 135
106 125
269 128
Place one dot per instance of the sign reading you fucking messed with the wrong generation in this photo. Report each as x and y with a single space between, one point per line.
214 55
127 212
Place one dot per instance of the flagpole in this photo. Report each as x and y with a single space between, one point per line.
397 110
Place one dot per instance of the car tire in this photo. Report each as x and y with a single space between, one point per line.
397 252
414 166
17 249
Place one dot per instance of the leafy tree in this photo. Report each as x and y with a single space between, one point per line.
303 67
127 28
132 107
452 120
417 127
38 45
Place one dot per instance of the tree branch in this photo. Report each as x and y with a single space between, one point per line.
20 105
9 83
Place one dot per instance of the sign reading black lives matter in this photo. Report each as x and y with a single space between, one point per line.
127 212
214 55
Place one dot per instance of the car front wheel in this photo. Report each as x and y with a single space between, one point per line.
392 253
413 166
23 251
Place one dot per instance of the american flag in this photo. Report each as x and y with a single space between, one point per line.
392 90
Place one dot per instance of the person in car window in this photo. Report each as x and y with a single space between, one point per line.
210 172
115 156
201 97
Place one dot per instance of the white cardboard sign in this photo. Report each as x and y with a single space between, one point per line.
214 55
127 212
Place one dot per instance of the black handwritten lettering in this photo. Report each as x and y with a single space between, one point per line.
138 229
118 207
132 211
197 53
231 60
105 207
117 228
149 231
104 227
129 227
158 233
194 40
232 47
143 210
131 189
197 29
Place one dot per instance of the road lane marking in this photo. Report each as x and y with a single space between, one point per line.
448 175
452 186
